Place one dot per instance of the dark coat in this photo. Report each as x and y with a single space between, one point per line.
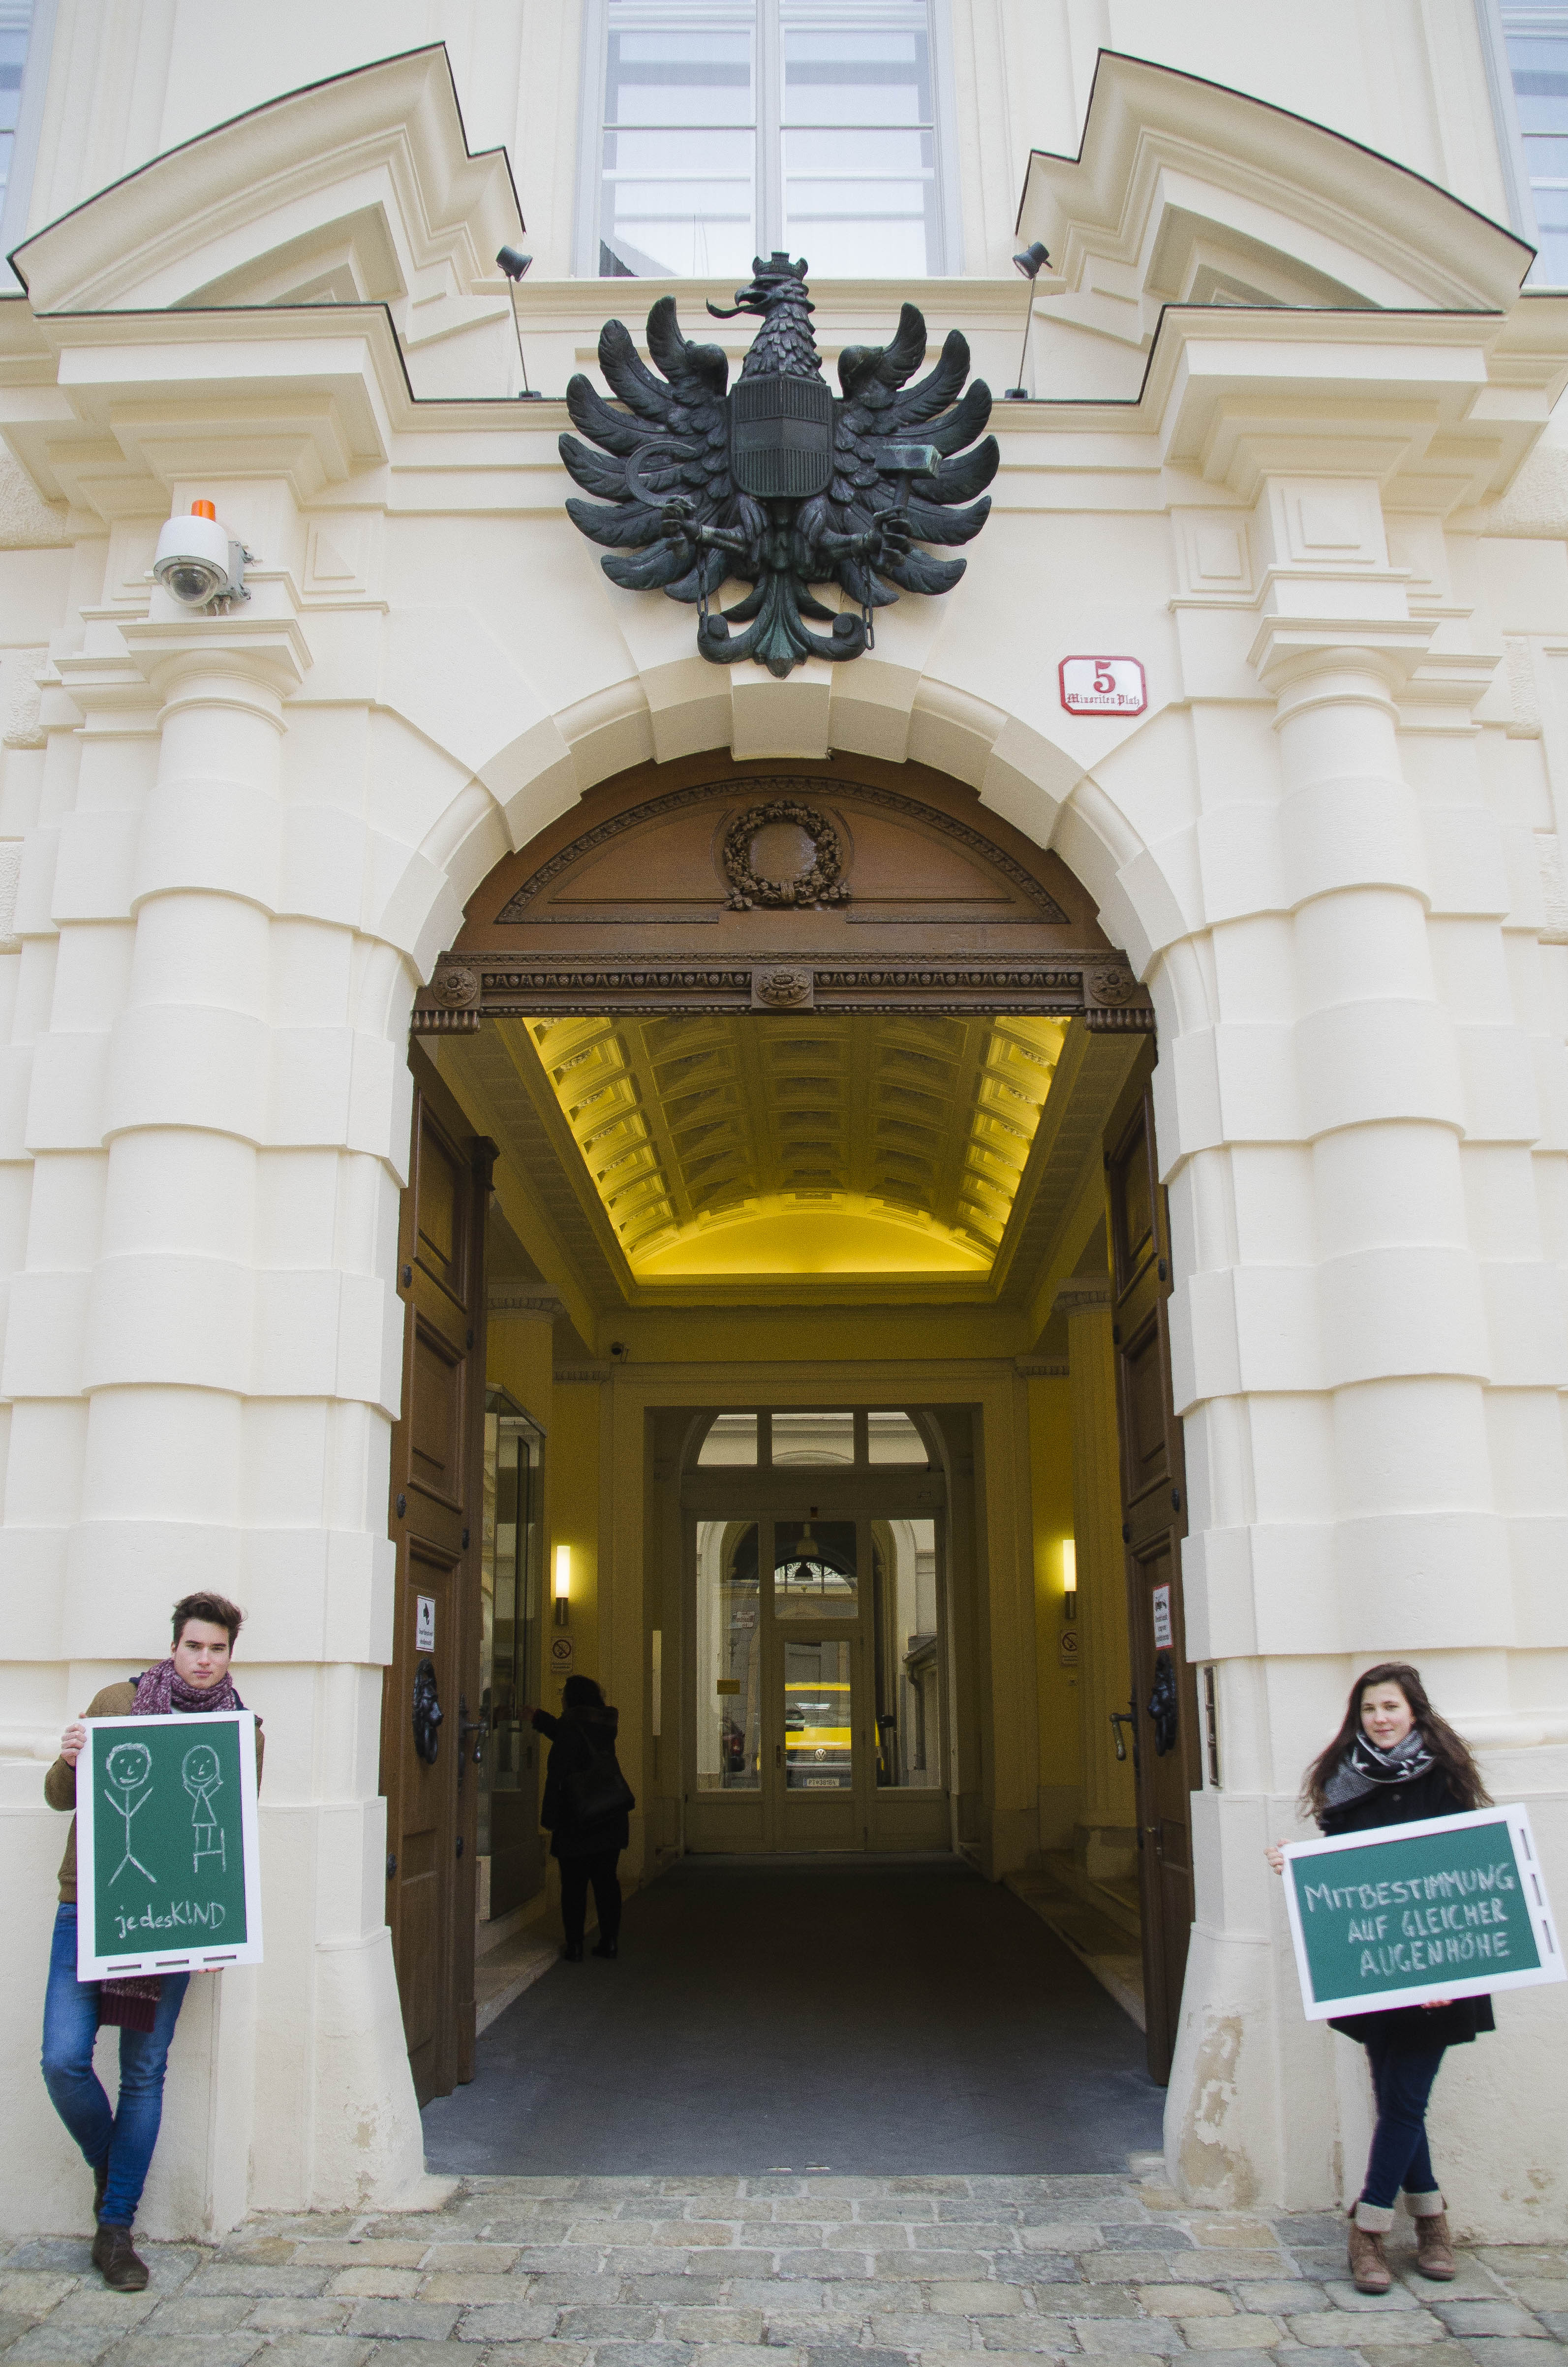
1416 2029
577 1738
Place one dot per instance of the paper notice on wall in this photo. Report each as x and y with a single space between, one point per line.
1162 1619
561 1655
424 1623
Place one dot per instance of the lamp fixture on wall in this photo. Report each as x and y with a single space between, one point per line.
563 1584
1069 1578
1031 262
514 263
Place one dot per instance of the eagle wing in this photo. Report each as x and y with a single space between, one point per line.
668 438
878 408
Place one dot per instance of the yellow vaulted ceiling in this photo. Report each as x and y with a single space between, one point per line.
800 1145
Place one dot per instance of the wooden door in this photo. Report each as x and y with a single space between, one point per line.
1154 1501
437 1449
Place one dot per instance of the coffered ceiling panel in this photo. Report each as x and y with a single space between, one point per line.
724 1145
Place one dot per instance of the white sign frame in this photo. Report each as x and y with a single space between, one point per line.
92 1964
1126 693
1443 1983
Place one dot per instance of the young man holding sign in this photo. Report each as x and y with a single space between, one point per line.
117 2144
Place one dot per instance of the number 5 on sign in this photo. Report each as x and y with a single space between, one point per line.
168 1877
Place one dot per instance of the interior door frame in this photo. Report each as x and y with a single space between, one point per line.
766 1495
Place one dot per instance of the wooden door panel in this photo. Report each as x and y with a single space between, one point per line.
437 1492
1153 1523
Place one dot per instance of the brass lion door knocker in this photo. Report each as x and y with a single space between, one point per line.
426 1712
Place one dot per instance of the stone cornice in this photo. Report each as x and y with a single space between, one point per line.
271 649
1082 1297
503 1299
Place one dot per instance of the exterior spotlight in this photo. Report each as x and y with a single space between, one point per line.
1031 262
1069 1578
514 263
563 1584
200 561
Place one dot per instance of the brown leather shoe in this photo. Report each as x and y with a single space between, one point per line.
117 2260
1369 2268
1434 2248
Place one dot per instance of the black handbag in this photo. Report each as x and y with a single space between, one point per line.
598 1791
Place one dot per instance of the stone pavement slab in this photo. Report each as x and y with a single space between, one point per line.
784 2270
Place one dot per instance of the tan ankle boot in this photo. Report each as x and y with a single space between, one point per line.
1433 2246
1370 2270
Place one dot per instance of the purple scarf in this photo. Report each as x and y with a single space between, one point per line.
161 1692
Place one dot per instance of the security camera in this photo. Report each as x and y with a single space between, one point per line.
200 561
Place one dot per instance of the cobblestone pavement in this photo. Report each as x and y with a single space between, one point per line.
784 2271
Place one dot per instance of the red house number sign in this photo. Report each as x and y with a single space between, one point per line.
1102 687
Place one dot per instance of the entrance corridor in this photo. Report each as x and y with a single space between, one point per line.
769 2018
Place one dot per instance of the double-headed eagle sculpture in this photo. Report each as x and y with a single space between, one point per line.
778 483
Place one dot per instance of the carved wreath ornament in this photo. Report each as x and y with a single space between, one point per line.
822 884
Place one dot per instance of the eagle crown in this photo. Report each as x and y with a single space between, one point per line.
784 346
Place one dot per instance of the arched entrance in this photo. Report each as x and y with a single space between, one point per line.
814 1090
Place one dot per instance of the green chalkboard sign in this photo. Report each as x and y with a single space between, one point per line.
1406 1914
167 1877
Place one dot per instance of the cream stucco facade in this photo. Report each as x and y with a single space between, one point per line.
1294 446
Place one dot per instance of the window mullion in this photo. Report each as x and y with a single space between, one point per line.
769 126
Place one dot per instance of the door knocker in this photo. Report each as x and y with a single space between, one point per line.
426 1712
1162 1704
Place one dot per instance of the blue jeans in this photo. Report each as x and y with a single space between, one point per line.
1402 2081
125 2137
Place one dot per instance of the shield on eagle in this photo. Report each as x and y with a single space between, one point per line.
781 437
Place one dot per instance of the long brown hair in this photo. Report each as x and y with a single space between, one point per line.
1449 1749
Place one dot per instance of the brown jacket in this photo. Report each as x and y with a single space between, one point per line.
60 1784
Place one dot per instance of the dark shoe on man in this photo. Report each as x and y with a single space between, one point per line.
117 2260
1433 2246
608 1948
572 1952
1370 2270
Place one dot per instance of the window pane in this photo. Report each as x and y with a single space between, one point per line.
813 1438
818 1722
857 77
815 1571
893 1438
850 229
680 202
729 1659
671 77
733 1438
909 1728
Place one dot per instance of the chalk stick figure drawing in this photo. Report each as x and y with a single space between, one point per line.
127 1772
202 1778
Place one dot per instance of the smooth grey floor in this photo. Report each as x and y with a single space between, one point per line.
866 2018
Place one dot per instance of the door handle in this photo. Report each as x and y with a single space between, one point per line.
1119 1718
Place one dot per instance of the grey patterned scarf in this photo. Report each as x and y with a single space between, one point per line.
1364 1767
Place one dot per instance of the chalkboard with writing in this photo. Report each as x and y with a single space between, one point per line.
1406 1914
167 1877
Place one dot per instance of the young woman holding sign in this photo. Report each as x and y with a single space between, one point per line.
1395 1762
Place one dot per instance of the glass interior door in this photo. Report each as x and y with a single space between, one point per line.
815 1628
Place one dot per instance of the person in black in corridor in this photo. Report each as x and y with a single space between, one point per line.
587 1803
1395 1762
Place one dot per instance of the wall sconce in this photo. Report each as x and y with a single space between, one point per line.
563 1584
1069 1578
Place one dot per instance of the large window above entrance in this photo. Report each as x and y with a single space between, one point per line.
813 1437
719 128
